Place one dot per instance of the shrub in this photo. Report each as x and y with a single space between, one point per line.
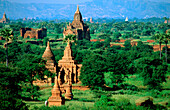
128 87
103 102
50 108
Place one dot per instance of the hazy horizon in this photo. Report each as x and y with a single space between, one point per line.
51 1
68 1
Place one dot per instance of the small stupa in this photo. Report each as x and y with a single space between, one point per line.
126 19
56 99
69 94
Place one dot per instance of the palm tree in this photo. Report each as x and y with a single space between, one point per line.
70 37
166 39
159 37
7 33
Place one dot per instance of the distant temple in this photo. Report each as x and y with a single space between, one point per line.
91 20
33 33
77 27
126 19
4 19
167 21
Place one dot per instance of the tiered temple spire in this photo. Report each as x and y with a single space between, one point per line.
56 99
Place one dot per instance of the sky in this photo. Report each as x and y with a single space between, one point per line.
51 1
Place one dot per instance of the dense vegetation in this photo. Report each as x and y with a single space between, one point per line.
103 65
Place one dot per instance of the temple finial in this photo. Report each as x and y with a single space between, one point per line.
68 44
56 83
77 9
48 44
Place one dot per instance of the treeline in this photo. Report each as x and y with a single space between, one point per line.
102 28
103 64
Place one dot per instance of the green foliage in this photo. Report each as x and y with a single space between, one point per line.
6 33
2 54
105 103
70 37
30 92
45 40
32 68
117 35
102 103
152 70
127 45
92 71
112 79
104 36
126 86
141 47
13 52
97 44
10 89
127 35
107 42
122 104
50 108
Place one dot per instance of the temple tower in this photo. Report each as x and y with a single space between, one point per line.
49 57
56 99
68 67
77 27
4 19
4 16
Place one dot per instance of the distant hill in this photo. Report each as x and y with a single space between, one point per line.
95 9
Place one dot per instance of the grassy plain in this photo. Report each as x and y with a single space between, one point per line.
86 99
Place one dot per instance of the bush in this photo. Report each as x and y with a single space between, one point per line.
152 70
103 102
128 87
30 92
50 108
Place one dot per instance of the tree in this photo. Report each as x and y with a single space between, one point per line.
70 37
13 52
45 41
107 42
92 71
117 35
159 37
166 38
116 68
7 33
33 68
127 45
152 70
2 55
10 89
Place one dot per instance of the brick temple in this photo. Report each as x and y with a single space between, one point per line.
33 33
77 27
